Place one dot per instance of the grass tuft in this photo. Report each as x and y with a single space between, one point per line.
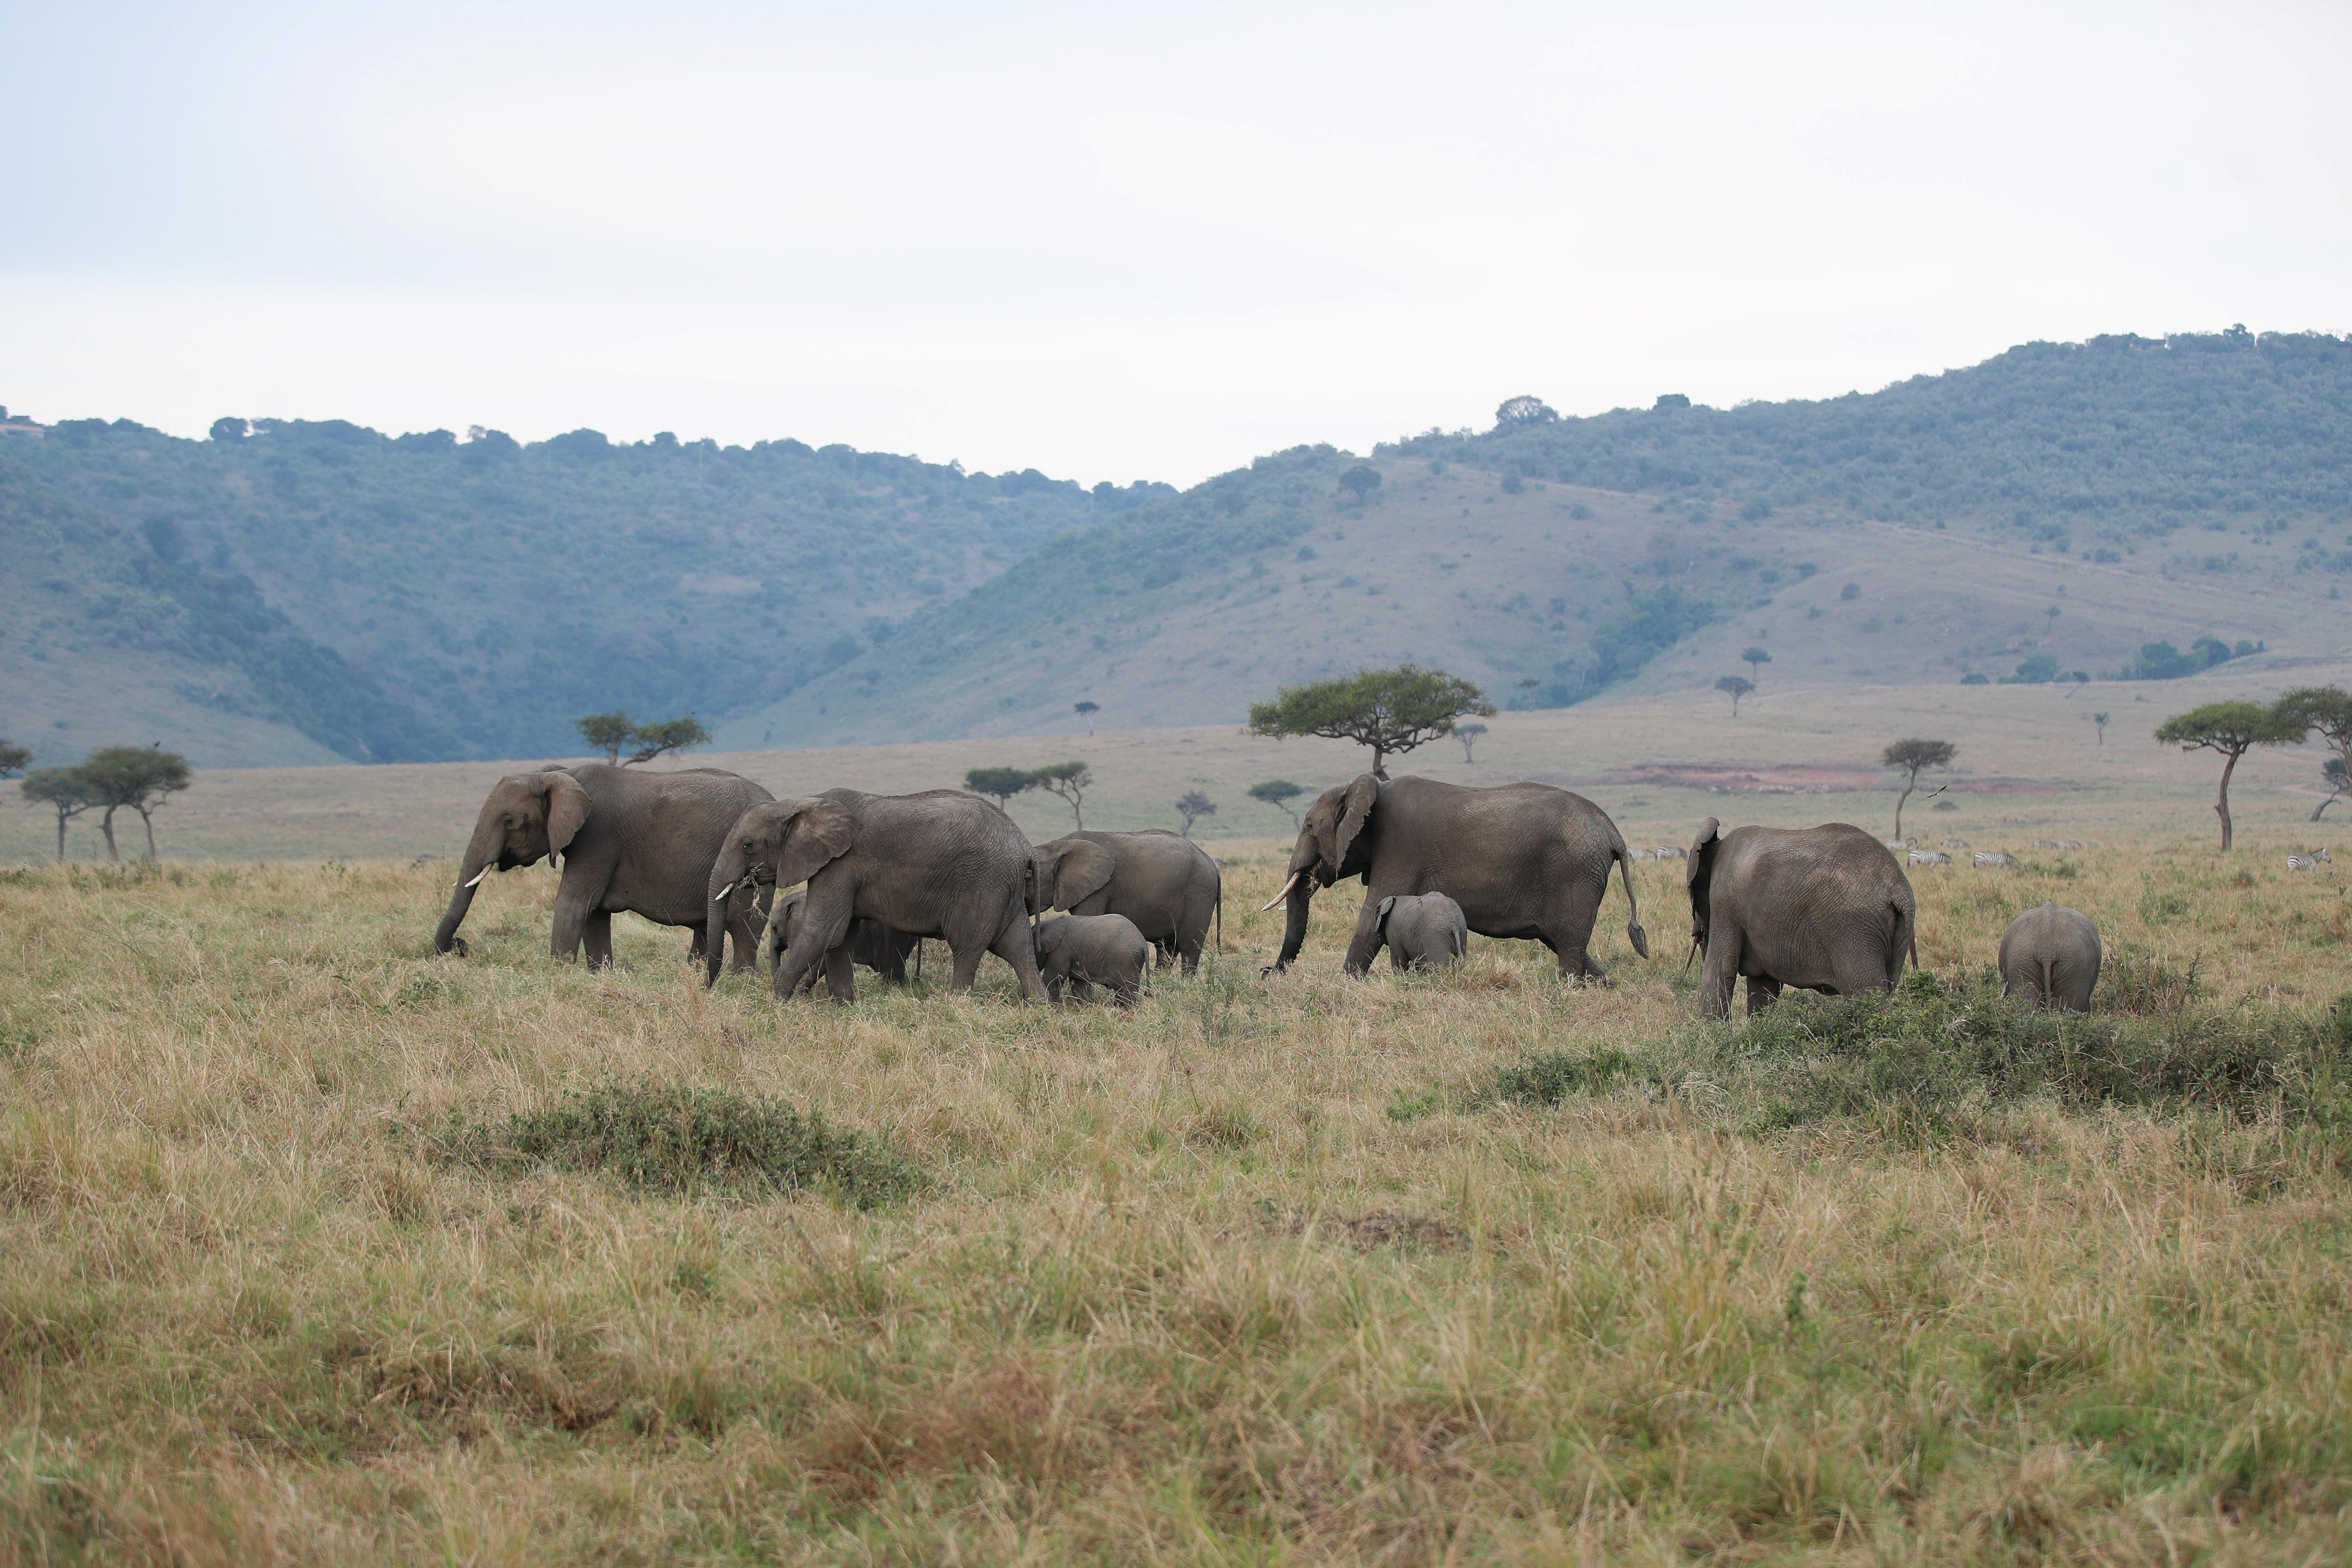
672 1139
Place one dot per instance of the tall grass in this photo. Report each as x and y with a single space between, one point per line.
315 1246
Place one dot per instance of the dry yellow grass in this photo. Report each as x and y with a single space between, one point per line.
1246 1275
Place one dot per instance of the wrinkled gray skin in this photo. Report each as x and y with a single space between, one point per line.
2052 953
1423 932
1822 908
1082 951
1522 860
942 863
1168 885
630 840
871 943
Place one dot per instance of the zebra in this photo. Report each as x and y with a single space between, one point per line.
2051 844
1930 858
1955 844
1673 852
1643 853
1991 858
2305 862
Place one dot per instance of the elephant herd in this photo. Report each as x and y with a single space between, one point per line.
1824 908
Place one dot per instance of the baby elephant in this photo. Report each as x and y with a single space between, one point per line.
1424 930
2052 953
1083 951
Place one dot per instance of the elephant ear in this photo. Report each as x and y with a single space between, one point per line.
1380 921
1357 810
1079 873
817 833
567 810
1702 866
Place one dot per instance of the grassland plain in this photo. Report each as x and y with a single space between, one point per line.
1291 1269
2031 764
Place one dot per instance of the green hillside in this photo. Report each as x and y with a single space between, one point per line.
2199 488
422 598
292 591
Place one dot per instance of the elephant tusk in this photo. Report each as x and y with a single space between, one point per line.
1284 894
482 873
1692 954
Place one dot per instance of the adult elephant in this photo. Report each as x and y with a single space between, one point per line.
1822 908
1522 860
942 863
629 839
1168 885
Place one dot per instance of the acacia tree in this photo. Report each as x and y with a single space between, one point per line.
14 758
1757 659
61 790
1087 710
2338 777
1001 782
1068 779
1387 710
2328 709
1911 758
2101 721
137 778
673 735
1191 805
1735 686
1361 481
1279 793
1468 735
606 732
2231 728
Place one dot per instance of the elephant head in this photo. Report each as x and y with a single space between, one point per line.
1698 878
779 843
1068 872
1329 847
526 817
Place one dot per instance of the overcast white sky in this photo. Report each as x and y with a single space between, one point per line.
1133 240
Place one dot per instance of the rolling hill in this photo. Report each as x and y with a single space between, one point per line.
291 592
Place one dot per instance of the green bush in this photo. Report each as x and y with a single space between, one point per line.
672 1139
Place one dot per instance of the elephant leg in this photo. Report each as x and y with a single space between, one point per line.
1715 980
1055 986
841 974
1126 991
815 936
1861 971
1365 945
1762 992
1081 988
574 905
597 931
1570 931
967 967
747 940
694 949
1016 947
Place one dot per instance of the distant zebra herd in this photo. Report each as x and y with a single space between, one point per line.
1983 860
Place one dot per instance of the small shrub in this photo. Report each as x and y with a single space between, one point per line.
2132 981
672 1139
1547 1077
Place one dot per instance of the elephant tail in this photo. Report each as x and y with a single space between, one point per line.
1903 942
1633 932
1221 915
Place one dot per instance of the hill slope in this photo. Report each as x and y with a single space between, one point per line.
420 597
2195 487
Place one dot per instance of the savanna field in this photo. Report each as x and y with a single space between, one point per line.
318 1248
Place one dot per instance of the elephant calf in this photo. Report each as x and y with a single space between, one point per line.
869 943
2052 953
1423 931
1086 951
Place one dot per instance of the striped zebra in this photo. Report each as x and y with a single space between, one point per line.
1930 858
1991 858
2307 862
2049 844
1955 844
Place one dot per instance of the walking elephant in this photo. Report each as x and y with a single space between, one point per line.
1168 885
1081 951
1425 932
1522 860
869 943
942 863
1822 908
2052 953
630 840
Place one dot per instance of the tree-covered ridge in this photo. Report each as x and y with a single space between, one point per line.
420 597
2117 438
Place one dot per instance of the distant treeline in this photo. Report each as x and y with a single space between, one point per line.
2120 436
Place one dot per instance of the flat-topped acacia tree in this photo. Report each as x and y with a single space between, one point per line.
2231 728
2328 709
1910 758
1390 710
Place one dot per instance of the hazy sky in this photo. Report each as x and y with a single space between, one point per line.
1133 240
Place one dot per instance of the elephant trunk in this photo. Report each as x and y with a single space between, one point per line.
481 859
726 876
1294 923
